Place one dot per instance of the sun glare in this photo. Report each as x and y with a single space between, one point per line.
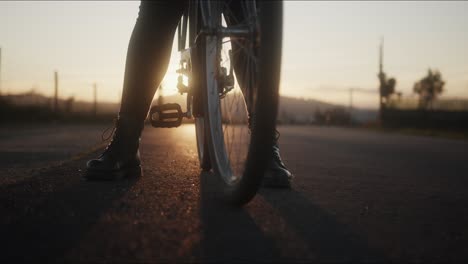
169 84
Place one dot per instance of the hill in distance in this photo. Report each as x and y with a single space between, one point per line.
293 109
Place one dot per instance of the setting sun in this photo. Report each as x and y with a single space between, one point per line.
323 55
281 132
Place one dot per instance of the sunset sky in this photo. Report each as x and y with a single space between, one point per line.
328 48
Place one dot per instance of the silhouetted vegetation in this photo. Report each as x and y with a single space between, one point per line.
387 88
387 85
427 112
35 108
335 116
429 88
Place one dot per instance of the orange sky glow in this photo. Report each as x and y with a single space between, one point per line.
329 47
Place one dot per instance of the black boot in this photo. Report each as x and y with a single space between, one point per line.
277 175
121 158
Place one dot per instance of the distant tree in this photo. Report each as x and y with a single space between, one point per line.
319 117
387 86
334 116
429 88
339 116
69 104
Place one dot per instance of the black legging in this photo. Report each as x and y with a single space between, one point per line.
149 52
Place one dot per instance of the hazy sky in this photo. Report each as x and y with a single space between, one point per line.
328 47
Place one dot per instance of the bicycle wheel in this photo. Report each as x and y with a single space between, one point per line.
194 94
240 119
202 144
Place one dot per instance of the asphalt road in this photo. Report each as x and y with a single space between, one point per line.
357 196
26 149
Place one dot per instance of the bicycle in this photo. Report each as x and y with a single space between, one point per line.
223 44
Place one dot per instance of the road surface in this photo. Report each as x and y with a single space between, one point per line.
357 196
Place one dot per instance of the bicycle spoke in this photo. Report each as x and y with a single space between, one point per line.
234 101
230 45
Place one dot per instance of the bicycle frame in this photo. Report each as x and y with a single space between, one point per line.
205 57
194 32
186 56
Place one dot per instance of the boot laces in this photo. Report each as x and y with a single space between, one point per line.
277 136
276 152
106 136
112 129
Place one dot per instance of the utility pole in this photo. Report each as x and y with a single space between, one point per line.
382 78
95 99
381 73
1 71
381 55
351 90
56 92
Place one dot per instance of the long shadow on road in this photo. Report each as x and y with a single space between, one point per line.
45 216
229 234
328 239
233 233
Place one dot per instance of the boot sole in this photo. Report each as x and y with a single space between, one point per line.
96 175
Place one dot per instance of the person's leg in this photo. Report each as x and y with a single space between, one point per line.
277 174
148 56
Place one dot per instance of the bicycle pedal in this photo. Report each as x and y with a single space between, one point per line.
166 115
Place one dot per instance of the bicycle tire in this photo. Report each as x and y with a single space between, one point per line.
195 96
240 189
202 144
